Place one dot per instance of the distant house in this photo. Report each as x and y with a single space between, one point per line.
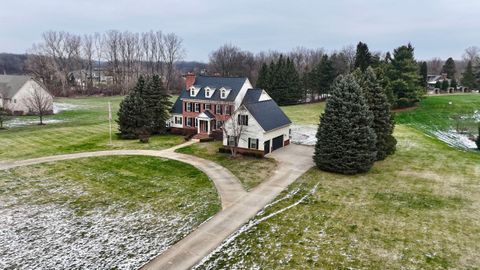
209 105
15 90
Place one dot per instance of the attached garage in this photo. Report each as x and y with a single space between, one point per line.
277 143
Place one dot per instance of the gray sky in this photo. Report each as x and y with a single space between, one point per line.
437 28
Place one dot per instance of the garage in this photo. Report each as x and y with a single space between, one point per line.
277 142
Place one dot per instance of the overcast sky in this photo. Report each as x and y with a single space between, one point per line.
436 28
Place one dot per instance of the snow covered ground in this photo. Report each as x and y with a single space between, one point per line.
455 139
27 121
60 107
35 234
304 134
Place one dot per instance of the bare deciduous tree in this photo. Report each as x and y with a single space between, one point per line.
172 52
233 129
472 53
39 102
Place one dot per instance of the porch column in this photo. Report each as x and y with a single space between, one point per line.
198 125
208 126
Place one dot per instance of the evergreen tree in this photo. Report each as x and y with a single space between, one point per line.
454 84
404 77
322 76
133 118
468 77
423 74
438 84
449 68
158 104
293 93
363 57
263 80
445 85
345 138
377 102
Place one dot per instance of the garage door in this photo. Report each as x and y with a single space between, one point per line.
277 142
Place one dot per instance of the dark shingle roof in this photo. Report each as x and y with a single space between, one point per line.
209 114
252 95
233 83
177 106
268 114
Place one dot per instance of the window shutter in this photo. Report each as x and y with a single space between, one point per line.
246 120
257 144
249 142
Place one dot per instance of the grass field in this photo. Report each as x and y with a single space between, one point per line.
419 209
306 113
83 128
99 213
250 171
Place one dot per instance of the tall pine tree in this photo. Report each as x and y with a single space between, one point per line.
363 57
382 118
346 140
158 103
468 77
423 74
449 68
133 118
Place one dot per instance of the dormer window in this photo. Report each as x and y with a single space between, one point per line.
224 92
207 92
194 91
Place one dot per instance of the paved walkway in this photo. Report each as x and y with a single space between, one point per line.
238 205
228 186
294 160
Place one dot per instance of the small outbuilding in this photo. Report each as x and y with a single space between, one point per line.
18 92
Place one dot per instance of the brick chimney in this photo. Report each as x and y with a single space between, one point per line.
189 80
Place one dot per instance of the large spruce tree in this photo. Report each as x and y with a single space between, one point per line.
378 104
157 102
468 77
423 74
449 68
345 138
363 57
263 80
133 117
404 77
322 76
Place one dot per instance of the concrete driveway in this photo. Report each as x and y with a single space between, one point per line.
294 160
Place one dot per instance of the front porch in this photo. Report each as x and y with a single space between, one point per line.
206 122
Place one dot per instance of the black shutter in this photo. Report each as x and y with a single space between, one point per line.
257 144
239 120
249 142
246 120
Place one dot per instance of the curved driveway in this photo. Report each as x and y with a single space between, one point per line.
228 186
238 205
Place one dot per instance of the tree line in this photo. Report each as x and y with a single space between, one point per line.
68 63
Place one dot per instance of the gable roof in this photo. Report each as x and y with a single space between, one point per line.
177 106
234 84
11 84
268 114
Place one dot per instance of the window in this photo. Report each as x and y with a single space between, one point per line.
218 109
231 140
228 110
219 124
14 101
223 93
178 120
207 92
197 107
192 91
189 121
189 106
243 120
208 107
252 143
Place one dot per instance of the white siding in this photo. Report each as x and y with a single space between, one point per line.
172 121
254 131
18 101
241 94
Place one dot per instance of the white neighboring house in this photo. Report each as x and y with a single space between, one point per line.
16 90
259 123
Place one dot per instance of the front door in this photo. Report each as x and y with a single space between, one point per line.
205 126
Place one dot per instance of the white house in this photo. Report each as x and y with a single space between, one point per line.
259 123
15 90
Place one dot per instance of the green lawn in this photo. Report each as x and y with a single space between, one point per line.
250 171
441 113
305 113
99 213
85 128
419 209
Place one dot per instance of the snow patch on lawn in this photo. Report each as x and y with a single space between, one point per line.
455 139
20 121
53 236
60 107
304 134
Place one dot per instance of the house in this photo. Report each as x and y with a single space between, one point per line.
15 90
231 109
